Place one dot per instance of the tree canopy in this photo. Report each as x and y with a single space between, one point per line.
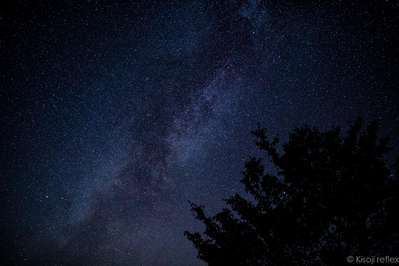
328 196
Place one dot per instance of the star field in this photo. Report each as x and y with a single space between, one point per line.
116 114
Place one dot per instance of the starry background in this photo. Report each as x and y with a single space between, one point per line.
116 113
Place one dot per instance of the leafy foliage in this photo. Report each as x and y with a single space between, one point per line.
327 198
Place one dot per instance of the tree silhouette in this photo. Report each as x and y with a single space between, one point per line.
326 197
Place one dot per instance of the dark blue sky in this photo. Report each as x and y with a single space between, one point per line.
114 115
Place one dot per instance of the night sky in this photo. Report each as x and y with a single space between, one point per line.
115 114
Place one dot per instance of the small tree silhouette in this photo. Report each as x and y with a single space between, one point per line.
330 197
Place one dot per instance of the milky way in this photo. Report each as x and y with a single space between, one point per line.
118 114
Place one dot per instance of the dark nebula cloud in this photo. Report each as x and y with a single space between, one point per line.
116 114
